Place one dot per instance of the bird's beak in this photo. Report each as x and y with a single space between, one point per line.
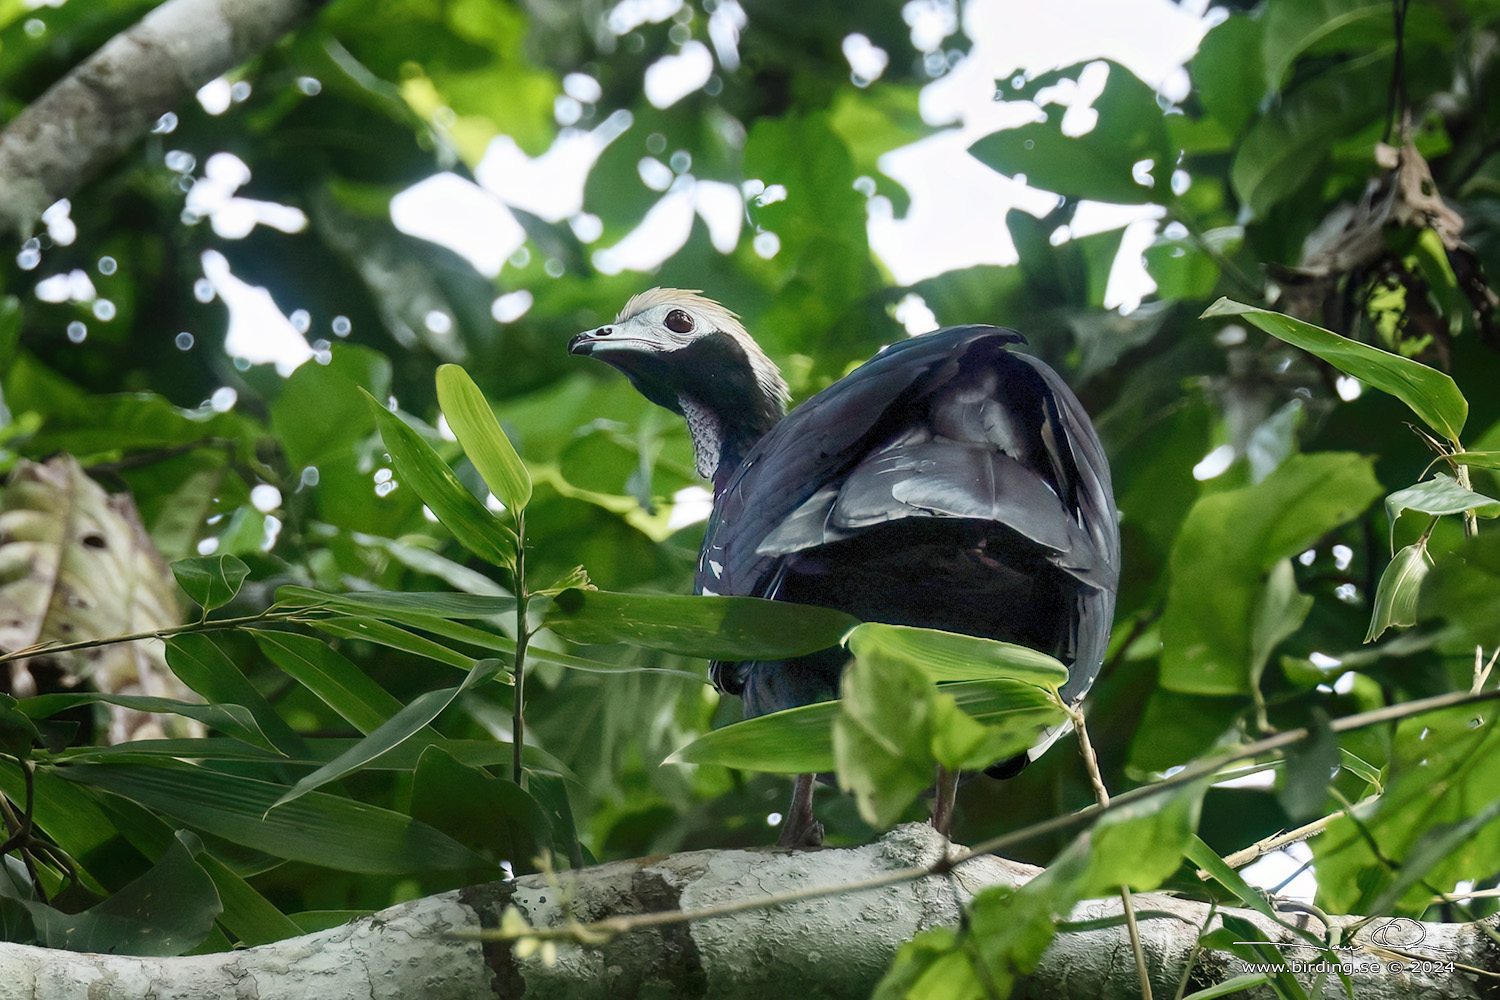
584 342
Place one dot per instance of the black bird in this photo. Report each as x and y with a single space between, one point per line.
949 482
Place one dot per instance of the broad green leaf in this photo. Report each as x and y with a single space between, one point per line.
1310 766
494 817
1441 779
1399 588
950 656
420 606
1463 588
882 736
1222 560
1431 394
723 628
1279 612
798 740
212 581
341 685
1288 142
961 744
18 734
319 829
475 426
429 476
392 733
1142 844
1098 165
1437 496
247 915
234 720
167 911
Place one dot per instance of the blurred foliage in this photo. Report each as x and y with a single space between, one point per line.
1292 175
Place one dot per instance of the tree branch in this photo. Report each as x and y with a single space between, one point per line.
833 946
111 99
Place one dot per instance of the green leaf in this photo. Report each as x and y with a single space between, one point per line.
1434 821
1431 394
386 634
413 608
1279 612
1437 496
1464 588
1399 588
951 656
882 735
458 509
1287 144
233 720
493 816
167 911
1142 844
340 685
1310 767
1098 165
1222 560
792 741
247 915
392 733
212 581
724 628
18 734
1477 459
200 661
798 740
319 829
475 426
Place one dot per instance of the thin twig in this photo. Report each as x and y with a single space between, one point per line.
1101 795
51 648
1276 842
523 635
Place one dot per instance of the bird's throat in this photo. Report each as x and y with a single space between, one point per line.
707 431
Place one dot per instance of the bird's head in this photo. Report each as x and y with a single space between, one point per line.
693 356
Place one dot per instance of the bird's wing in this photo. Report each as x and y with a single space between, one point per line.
950 424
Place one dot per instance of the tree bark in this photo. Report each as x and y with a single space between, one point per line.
113 97
830 946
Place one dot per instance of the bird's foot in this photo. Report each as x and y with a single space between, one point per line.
800 836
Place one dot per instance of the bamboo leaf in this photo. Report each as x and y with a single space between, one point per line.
392 733
459 510
475 426
319 829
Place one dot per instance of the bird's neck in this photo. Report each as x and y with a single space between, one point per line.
722 438
730 400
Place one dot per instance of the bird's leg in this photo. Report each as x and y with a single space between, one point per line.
942 800
799 829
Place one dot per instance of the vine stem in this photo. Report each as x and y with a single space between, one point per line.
1101 795
49 648
523 636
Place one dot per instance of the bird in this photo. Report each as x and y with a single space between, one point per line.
949 482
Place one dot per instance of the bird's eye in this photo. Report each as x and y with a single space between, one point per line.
679 322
